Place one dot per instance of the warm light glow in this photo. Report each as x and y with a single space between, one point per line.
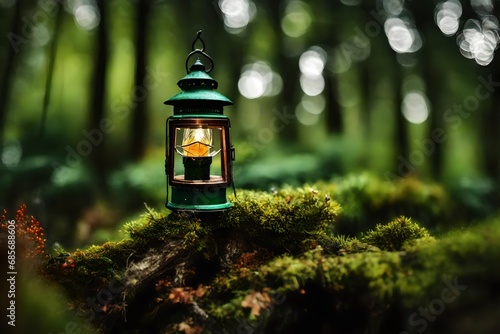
197 142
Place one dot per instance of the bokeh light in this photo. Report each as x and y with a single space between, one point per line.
479 40
402 36
41 35
305 116
87 17
447 16
297 19
86 13
313 104
415 107
312 62
251 84
482 7
394 7
312 85
12 153
258 80
311 65
237 14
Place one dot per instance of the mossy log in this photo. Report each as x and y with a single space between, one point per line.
285 261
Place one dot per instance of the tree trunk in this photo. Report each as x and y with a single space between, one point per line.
98 91
139 125
491 119
50 70
365 107
5 85
401 133
288 70
432 75
334 124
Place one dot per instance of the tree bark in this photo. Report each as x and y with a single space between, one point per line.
288 70
98 90
401 133
334 124
50 69
5 85
139 124
491 138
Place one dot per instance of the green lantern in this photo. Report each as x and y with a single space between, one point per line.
199 153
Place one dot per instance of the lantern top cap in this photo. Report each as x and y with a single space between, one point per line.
197 86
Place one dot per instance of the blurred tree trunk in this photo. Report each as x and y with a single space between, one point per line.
492 128
432 78
365 88
50 69
334 124
401 133
287 67
326 35
7 79
139 124
367 66
98 93
431 72
491 133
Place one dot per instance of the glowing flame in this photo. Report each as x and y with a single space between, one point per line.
197 142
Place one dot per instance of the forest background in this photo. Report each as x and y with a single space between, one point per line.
321 89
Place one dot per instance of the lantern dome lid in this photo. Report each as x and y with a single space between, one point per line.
198 89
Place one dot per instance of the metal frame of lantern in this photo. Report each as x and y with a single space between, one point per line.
198 116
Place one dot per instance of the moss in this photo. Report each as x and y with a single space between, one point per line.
395 234
366 199
404 279
282 218
283 252
154 228
466 254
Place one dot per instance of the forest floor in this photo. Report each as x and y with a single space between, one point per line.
356 255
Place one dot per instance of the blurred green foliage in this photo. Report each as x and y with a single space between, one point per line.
348 215
124 59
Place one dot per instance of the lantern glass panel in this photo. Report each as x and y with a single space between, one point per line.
198 153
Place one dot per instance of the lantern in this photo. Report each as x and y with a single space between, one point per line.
199 153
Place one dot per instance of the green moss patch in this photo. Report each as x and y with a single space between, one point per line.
292 260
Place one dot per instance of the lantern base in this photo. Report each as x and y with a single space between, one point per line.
204 199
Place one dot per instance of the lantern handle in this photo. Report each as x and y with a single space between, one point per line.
198 34
199 51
